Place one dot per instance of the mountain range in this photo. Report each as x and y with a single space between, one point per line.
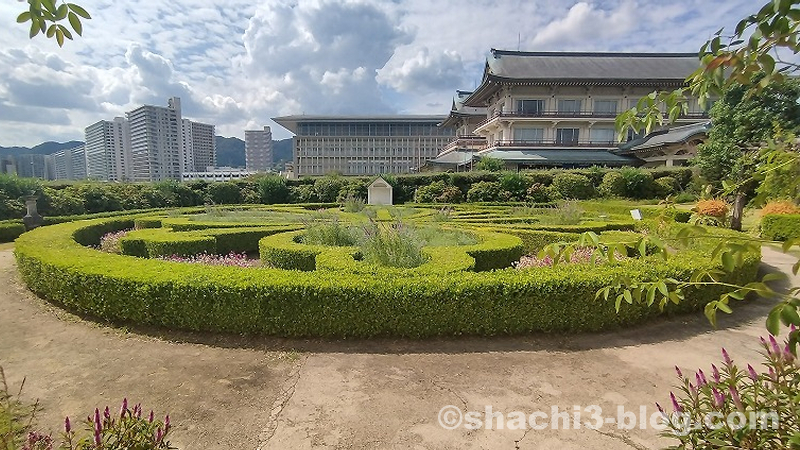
230 150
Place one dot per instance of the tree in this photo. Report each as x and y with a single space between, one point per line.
47 16
490 164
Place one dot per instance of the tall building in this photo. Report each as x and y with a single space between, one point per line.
198 146
33 166
557 109
258 150
156 141
361 145
108 155
69 164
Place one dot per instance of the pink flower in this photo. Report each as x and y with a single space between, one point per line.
752 373
776 349
150 419
736 399
726 357
678 371
67 425
715 373
700 377
719 397
675 404
124 408
166 423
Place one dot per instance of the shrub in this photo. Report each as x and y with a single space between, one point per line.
638 183
10 231
490 164
780 207
327 188
303 194
223 193
353 189
573 186
272 189
565 213
484 191
780 227
353 204
685 197
515 184
540 177
613 185
712 208
538 193
738 407
437 192
665 186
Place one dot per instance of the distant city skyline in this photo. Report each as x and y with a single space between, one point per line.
238 63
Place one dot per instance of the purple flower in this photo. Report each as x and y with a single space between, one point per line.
124 408
700 377
67 425
98 427
675 404
692 390
159 435
736 399
715 373
726 357
150 419
660 409
752 373
787 353
776 349
719 397
678 371
107 413
166 423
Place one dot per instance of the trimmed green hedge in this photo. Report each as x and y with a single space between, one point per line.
780 227
495 251
159 242
122 289
10 231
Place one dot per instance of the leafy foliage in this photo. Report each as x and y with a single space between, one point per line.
47 16
573 186
490 164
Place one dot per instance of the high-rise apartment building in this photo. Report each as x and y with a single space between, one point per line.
108 150
69 164
156 141
258 149
198 146
33 166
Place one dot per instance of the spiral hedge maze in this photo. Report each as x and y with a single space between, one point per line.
319 290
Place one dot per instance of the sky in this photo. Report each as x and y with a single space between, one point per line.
237 63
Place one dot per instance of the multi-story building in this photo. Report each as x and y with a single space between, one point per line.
164 145
213 174
258 150
557 109
156 141
69 164
361 145
108 155
198 147
33 166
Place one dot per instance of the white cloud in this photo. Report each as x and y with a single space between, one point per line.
236 63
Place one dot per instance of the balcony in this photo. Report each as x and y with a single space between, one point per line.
552 114
470 141
551 143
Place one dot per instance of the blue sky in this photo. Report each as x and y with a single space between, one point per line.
237 63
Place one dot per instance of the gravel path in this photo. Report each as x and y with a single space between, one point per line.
247 393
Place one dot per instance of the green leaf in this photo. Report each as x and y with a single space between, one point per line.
79 11
60 37
61 12
51 31
76 23
24 17
65 31
628 297
722 306
34 28
774 320
710 312
662 287
727 262
789 316
777 276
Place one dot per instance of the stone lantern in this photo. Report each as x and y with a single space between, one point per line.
32 219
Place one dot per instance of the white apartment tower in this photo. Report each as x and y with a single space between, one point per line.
69 164
198 146
156 141
108 155
258 149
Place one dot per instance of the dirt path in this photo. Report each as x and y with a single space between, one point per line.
229 392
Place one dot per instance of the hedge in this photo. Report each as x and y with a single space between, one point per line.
780 227
128 290
495 251
10 231
159 242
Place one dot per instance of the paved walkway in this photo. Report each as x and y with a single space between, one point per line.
230 392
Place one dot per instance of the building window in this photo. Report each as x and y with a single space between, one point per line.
567 136
601 135
605 107
530 107
529 134
569 106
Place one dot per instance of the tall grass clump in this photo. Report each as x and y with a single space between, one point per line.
329 232
566 213
394 245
